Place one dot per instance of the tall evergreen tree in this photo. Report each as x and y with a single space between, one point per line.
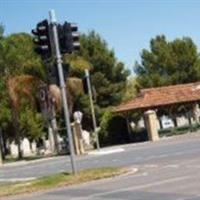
108 75
168 63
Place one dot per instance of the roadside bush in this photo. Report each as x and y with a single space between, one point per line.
139 135
179 130
113 129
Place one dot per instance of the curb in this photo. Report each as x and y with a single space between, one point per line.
24 162
11 180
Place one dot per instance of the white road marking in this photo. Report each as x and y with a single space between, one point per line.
106 151
151 166
171 166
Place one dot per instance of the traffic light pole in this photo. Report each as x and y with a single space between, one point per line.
92 108
62 87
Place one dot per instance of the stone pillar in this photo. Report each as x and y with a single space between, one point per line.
151 125
196 112
77 137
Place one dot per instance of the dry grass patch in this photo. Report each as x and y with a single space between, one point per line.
58 180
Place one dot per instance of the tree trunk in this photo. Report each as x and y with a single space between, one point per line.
160 123
1 158
173 117
55 131
189 119
1 148
175 121
2 152
128 128
18 141
17 132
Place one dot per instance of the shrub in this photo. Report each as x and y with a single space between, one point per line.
113 129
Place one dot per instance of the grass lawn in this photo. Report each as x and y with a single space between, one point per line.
58 180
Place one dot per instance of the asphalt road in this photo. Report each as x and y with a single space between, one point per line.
167 170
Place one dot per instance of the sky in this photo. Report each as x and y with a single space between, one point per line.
126 25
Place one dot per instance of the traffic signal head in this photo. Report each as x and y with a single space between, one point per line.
52 72
68 37
42 38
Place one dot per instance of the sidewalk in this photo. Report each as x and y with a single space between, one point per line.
25 162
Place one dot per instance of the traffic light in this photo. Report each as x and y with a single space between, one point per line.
42 39
68 37
53 76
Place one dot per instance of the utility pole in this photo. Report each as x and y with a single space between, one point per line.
87 75
53 22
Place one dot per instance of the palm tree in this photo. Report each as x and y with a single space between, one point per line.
28 86
18 87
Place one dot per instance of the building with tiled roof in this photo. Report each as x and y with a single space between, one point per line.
162 96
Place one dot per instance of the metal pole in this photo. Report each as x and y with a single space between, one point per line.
63 88
92 107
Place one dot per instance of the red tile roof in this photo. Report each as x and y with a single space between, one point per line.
160 96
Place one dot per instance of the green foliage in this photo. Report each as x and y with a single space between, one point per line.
17 56
108 75
5 114
77 65
168 63
103 134
82 103
59 180
130 89
1 30
31 124
179 130
113 129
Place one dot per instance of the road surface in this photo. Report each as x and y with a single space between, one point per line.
167 170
